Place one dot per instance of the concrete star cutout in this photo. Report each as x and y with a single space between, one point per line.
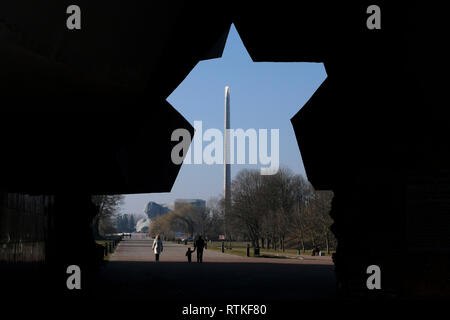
263 95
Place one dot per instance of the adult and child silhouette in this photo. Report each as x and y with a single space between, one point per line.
199 246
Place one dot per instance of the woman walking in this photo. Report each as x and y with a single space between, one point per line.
157 246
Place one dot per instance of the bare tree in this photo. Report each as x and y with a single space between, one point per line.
280 208
206 221
108 205
215 218
189 215
247 203
304 193
280 198
323 220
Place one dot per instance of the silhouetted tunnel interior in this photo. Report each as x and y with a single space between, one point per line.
384 172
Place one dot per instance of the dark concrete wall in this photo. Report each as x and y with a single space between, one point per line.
23 227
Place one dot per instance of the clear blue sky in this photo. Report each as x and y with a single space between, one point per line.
263 95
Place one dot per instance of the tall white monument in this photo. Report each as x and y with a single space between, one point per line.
226 155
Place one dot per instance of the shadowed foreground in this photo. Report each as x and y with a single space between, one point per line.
216 281
132 273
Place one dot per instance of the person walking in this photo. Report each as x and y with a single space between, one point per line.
199 246
157 247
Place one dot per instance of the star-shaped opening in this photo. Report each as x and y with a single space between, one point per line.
263 95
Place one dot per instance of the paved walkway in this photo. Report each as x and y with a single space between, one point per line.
139 248
132 274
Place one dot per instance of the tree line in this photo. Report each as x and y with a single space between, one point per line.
126 223
190 220
271 211
279 211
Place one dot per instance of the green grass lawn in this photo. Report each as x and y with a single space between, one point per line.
102 242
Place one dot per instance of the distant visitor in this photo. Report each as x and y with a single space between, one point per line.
157 247
199 246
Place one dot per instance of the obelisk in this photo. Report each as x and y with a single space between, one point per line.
226 162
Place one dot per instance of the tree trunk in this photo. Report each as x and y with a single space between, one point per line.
95 227
302 241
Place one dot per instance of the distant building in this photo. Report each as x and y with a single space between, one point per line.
153 209
199 203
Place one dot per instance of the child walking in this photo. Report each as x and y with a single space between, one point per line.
189 254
